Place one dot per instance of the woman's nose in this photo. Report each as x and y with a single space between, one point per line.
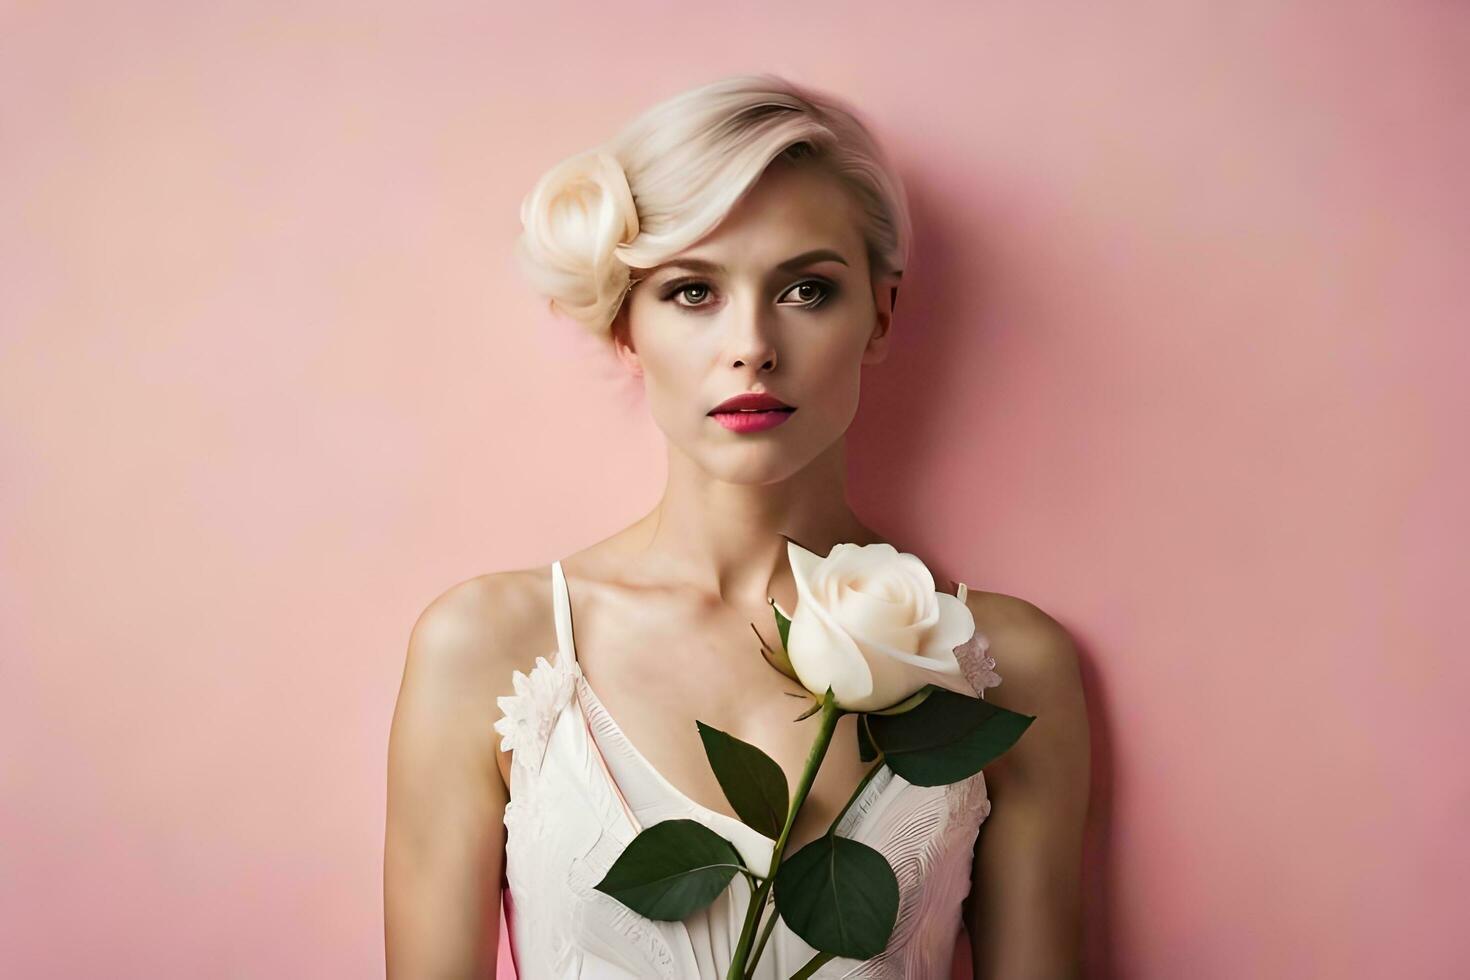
765 359
752 337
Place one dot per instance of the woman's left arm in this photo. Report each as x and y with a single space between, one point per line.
1024 913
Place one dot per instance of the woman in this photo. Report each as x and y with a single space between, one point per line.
739 247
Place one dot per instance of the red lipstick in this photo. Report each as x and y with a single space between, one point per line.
751 411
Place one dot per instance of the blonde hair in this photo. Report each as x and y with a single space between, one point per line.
673 174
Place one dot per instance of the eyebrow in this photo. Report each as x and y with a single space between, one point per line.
790 265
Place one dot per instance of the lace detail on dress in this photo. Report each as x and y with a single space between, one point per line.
978 668
976 665
531 712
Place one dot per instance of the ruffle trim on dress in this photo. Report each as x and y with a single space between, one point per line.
529 715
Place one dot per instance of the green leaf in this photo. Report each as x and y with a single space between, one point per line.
783 626
867 751
840 896
815 707
947 738
671 870
753 782
776 658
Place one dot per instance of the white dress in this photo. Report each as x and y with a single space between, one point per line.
580 791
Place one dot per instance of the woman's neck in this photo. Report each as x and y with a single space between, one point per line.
728 537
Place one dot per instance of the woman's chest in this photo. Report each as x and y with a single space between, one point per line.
656 695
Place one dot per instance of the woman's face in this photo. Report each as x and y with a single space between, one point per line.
778 300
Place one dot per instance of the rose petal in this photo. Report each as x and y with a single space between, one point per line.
804 563
821 653
878 621
955 624
825 657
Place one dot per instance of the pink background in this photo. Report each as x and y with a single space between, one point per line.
1181 358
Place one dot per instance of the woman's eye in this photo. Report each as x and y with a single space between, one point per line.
807 294
682 291
810 293
699 290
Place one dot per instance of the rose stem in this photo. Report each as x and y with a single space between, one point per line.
862 785
812 965
827 723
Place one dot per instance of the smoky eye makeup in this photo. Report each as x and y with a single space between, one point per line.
828 289
674 287
684 286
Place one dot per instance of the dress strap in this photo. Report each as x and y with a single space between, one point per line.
561 604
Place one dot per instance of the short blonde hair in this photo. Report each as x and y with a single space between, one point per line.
673 174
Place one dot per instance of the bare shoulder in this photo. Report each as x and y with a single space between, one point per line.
1035 655
463 651
443 839
1040 670
1025 912
479 630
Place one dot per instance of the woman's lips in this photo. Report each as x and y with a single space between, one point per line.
753 421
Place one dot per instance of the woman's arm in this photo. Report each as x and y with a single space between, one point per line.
444 843
1025 907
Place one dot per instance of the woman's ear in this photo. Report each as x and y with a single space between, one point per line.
622 338
885 298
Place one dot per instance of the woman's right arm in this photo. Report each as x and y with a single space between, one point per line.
444 844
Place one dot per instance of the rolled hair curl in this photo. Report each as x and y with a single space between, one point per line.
674 173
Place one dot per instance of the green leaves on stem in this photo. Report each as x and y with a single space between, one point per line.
828 723
837 894
671 870
752 781
783 624
946 738
779 659
840 896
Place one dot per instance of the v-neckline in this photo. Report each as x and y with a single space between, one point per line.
647 765
567 647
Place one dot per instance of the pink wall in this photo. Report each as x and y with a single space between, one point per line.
1187 311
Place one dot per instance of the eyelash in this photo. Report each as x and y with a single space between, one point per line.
677 288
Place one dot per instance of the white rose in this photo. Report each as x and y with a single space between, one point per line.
573 220
870 625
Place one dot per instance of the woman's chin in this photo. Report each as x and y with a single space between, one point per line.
751 465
